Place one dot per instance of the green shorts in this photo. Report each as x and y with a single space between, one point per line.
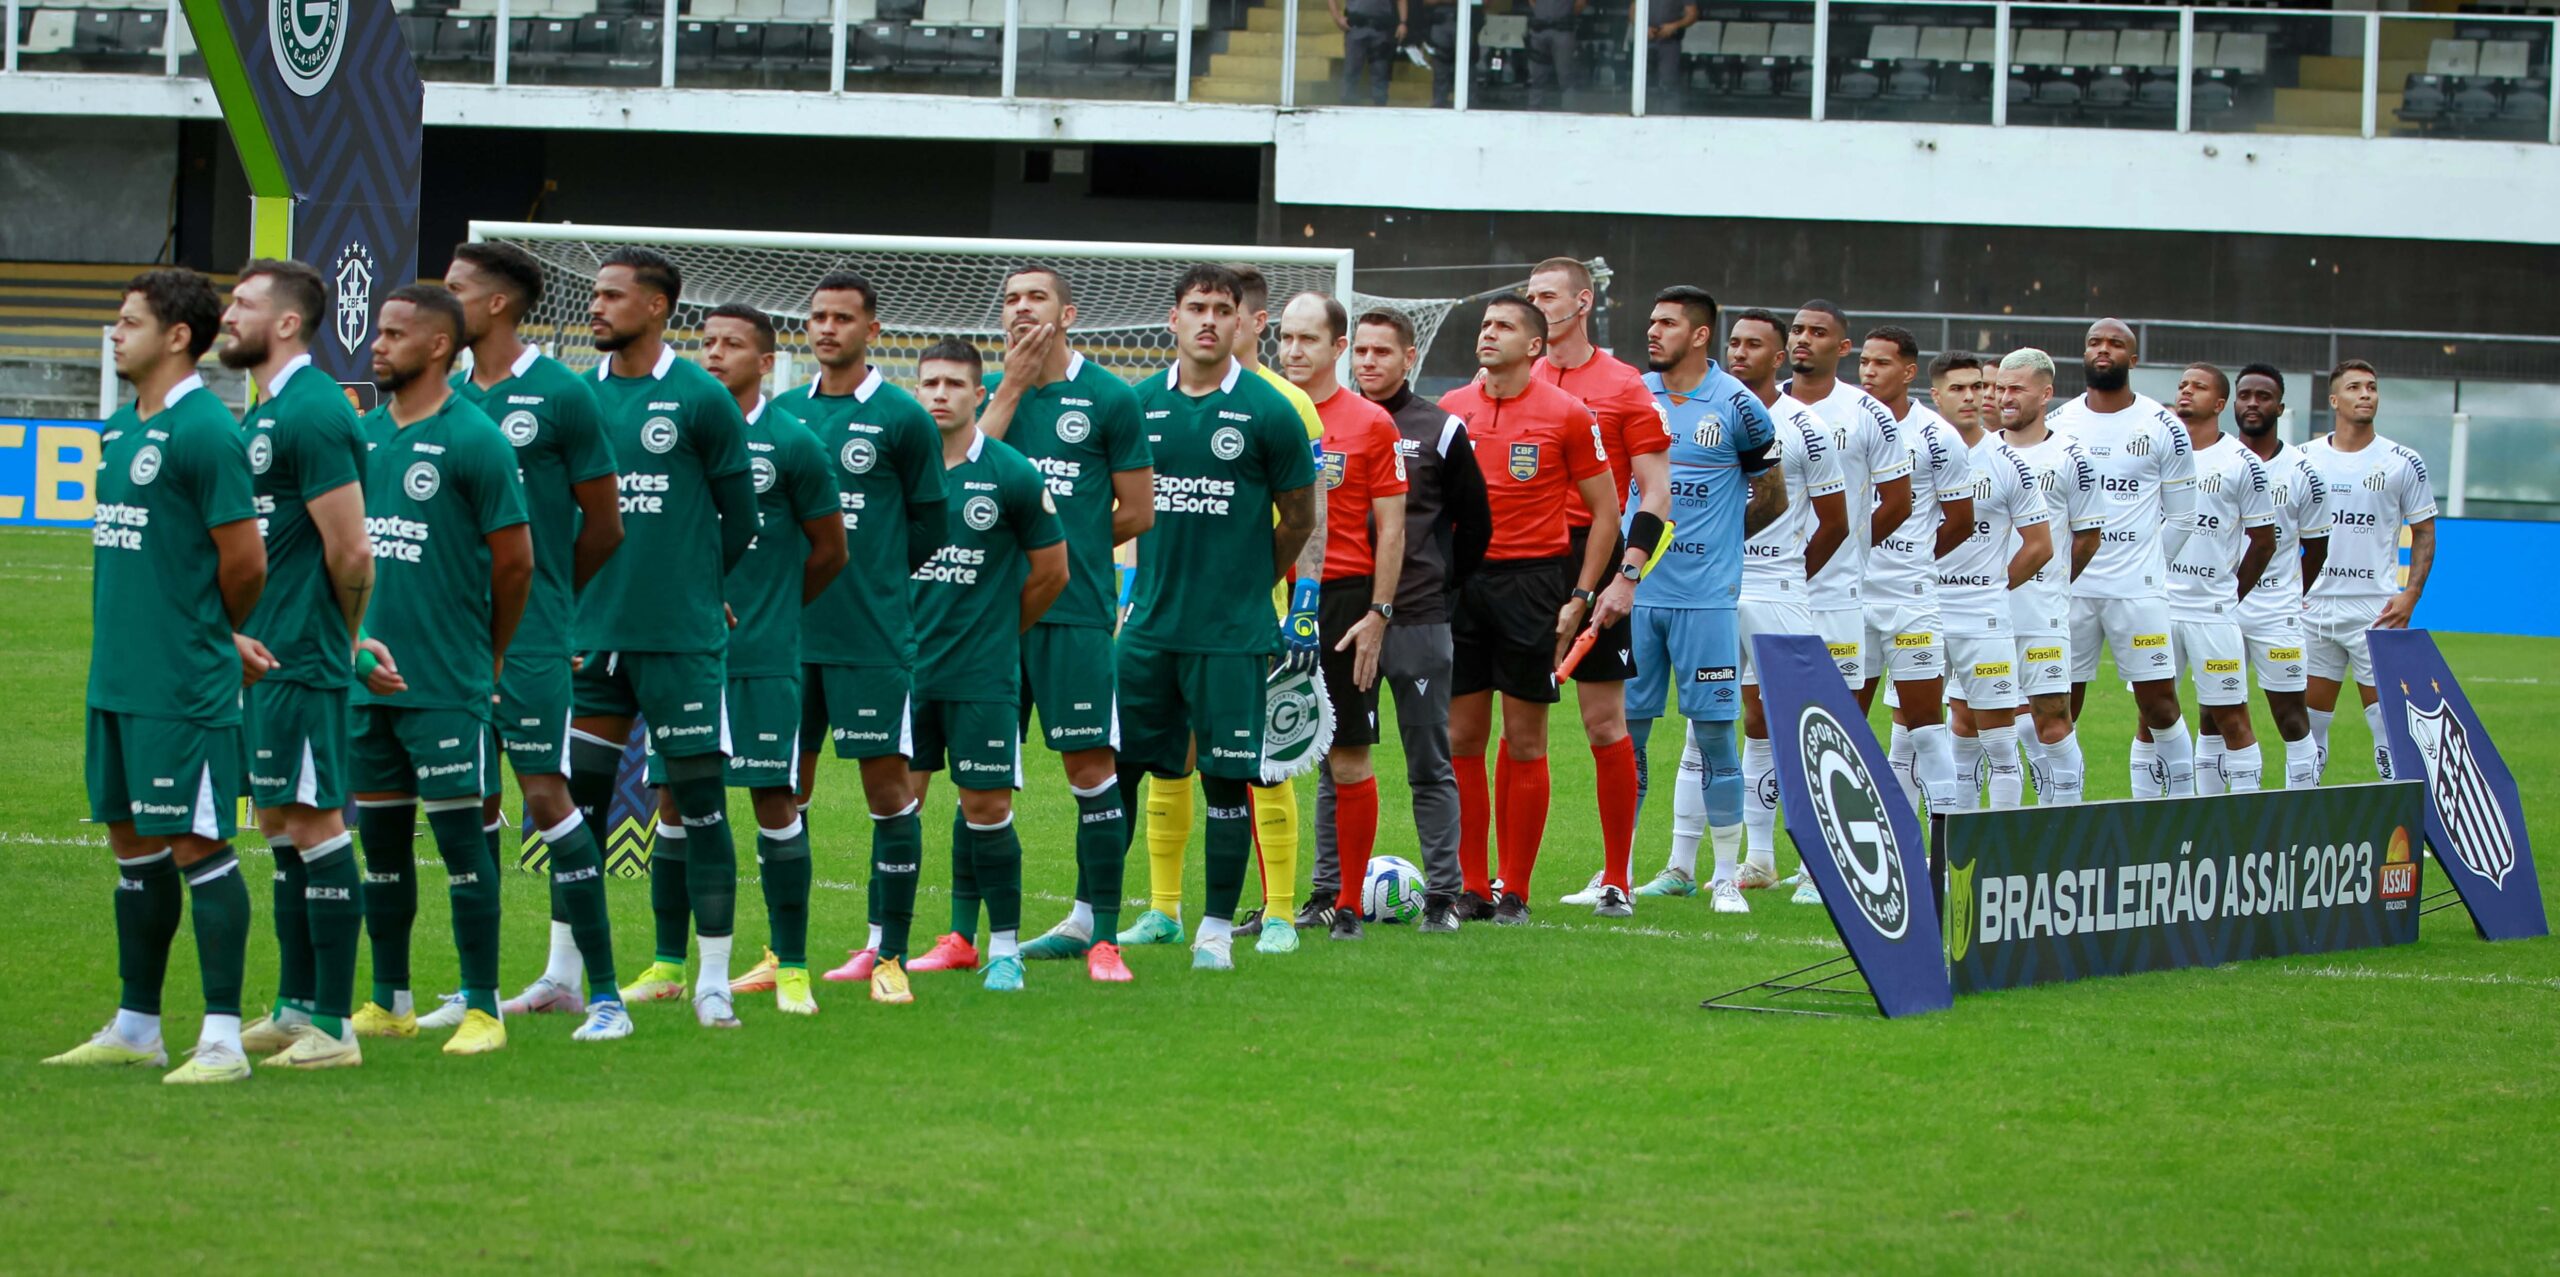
981 739
1066 676
166 775
296 737
764 735
1169 699
434 754
862 707
533 714
678 693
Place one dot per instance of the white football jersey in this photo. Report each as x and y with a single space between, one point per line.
2372 491
1973 580
2070 487
2139 453
1773 561
2232 496
2301 499
1869 444
1906 565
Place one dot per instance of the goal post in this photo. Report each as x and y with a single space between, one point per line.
929 287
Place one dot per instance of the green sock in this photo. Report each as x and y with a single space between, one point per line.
337 921
577 874
964 879
390 834
897 853
293 928
496 834
783 861
1102 852
149 902
998 853
472 886
711 855
668 903
218 901
1227 843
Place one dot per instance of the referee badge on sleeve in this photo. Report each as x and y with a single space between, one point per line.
1524 461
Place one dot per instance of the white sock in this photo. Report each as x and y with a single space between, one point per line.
2209 752
137 1028
1000 944
1998 748
1728 845
1689 805
1969 773
1899 755
220 1030
2381 740
2243 771
873 944
2031 755
2320 744
1220 929
567 966
1933 765
714 976
2064 764
2144 767
2177 758
2301 764
402 1003
1080 918
1759 813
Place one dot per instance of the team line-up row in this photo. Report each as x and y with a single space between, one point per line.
508 557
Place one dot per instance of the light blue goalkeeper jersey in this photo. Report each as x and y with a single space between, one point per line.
1719 436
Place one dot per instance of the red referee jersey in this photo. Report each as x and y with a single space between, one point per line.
1534 448
1630 421
1361 464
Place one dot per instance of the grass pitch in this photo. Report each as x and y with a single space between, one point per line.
1545 1097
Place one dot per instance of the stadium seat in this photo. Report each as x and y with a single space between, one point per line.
548 41
2109 92
1087 13
1505 32
790 45
2022 87
1756 77
1044 13
2207 43
945 12
639 45
875 47
695 42
2039 47
2145 49
1070 52
928 48
759 10
1887 44
462 40
1746 40
712 10
1912 80
1966 82
2058 87
2157 90
2527 102
2453 57
986 13
977 50
2087 48
1791 40
1943 44
2242 51
573 9
2506 59
595 39
1135 15
1158 51
1116 51
1860 81
1983 45
2214 94
2473 100
418 29
861 11
2422 99
51 31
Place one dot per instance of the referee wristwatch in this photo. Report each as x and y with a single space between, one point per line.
1385 611
1584 597
1633 573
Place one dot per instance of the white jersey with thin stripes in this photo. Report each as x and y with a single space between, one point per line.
1869 443
2141 452
2372 492
2070 487
1973 580
1905 565
2232 496
1773 561
2301 499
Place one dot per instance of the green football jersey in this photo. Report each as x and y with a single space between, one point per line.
793 485
672 432
1204 569
886 455
303 443
969 598
1079 432
433 492
549 414
160 642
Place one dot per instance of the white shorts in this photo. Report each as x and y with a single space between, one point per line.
2333 637
2274 645
1902 639
2211 653
1771 616
2044 664
1845 630
2136 631
1982 671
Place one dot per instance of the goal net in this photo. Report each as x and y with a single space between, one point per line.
928 288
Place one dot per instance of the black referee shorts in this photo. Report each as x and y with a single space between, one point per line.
1502 628
1340 606
1611 658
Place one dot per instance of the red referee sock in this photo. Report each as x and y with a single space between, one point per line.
1522 802
1503 772
1616 768
1355 832
1475 820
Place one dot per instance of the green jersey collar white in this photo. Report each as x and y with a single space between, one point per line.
862 393
756 411
1226 385
193 383
604 370
285 374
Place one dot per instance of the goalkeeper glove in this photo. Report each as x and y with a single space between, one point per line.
1299 631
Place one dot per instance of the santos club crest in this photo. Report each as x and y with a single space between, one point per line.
1710 431
1851 811
2473 820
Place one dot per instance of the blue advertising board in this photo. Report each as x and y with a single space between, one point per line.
48 472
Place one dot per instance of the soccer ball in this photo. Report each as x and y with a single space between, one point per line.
1393 891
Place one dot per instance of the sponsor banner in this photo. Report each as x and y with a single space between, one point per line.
2475 822
1860 840
631 820
2040 894
48 472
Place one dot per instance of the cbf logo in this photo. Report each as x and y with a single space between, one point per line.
858 455
1227 444
762 469
520 427
1333 469
658 435
305 38
1710 431
1851 812
1074 426
262 452
979 512
354 279
1524 461
421 481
